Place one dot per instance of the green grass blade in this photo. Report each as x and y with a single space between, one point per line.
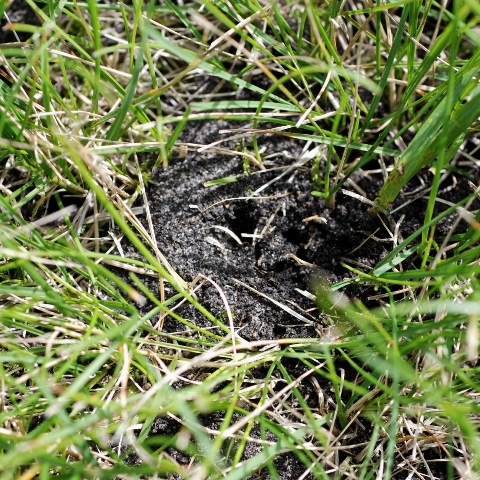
424 148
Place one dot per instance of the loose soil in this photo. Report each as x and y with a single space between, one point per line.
289 240
281 250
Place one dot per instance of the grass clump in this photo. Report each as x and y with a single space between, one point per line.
91 385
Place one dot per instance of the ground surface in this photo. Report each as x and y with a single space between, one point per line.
286 255
289 238
286 239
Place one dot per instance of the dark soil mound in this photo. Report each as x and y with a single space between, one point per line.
287 236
